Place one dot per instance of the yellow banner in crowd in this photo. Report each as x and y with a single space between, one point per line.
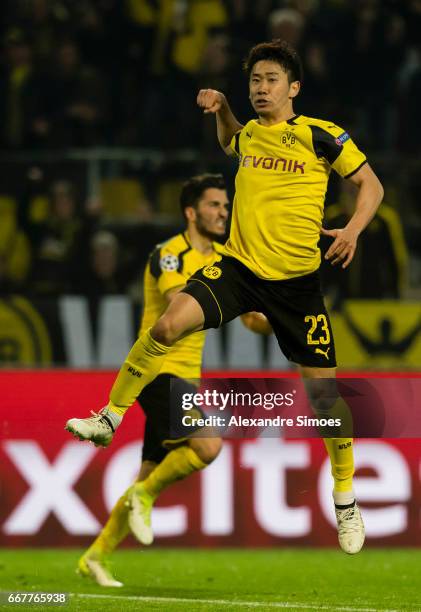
369 335
24 336
378 334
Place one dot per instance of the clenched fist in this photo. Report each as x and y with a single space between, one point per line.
210 100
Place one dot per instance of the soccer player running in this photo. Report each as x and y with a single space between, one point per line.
165 459
271 259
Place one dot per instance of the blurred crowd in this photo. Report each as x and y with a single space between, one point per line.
55 239
125 73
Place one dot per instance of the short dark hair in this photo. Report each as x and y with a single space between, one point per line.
194 187
279 51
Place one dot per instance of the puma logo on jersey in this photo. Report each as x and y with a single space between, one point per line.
322 352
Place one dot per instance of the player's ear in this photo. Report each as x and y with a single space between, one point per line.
190 213
294 89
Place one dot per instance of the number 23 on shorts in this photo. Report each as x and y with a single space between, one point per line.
317 322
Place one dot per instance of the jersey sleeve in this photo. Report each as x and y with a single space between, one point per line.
337 147
165 268
235 143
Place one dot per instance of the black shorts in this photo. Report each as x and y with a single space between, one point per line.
163 431
294 307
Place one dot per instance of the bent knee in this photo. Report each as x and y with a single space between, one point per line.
207 449
166 331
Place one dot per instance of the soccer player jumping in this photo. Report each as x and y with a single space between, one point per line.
271 259
166 457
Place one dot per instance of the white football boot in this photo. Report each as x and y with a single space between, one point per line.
96 569
351 533
140 504
98 428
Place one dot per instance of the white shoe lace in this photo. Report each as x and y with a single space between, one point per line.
348 521
97 418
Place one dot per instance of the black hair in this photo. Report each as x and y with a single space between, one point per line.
194 187
279 51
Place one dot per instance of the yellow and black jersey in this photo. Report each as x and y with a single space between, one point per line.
170 265
280 190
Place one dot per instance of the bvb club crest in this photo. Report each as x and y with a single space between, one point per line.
212 272
288 140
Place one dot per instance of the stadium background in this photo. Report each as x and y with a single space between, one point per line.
98 130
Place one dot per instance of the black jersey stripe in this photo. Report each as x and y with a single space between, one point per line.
237 143
155 256
292 120
181 259
325 144
154 259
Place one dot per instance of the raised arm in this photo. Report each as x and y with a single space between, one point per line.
370 195
215 102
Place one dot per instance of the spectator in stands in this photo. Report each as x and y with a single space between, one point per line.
215 74
99 26
15 254
179 45
22 91
103 275
45 21
56 243
287 24
317 93
248 23
78 100
373 49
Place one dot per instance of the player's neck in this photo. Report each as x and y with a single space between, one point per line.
283 114
198 241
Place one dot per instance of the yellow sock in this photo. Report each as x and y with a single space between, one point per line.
327 403
142 365
342 461
340 410
114 531
178 464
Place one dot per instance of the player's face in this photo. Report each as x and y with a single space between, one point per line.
212 213
270 91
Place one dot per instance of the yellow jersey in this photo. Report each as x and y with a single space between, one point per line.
170 265
280 190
